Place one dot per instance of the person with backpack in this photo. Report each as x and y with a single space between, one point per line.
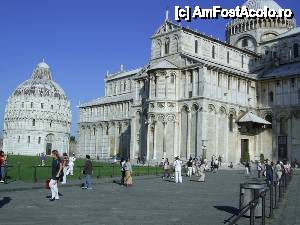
56 173
88 171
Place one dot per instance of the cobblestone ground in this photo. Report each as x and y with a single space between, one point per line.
150 201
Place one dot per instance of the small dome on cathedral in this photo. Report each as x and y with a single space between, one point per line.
260 4
43 65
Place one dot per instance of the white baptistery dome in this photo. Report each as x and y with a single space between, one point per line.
37 116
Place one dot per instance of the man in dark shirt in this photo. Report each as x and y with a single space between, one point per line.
87 171
55 175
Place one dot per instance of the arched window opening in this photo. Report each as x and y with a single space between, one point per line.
196 46
245 42
33 122
39 140
296 50
269 119
167 46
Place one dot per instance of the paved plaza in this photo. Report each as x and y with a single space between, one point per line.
150 201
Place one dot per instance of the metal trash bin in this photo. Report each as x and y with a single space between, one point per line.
248 192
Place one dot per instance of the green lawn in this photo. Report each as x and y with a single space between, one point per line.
24 168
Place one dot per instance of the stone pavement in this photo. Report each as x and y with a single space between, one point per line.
150 201
289 209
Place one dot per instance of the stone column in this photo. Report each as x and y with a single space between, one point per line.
176 139
189 122
195 83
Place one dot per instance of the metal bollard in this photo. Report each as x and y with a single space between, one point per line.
19 171
263 207
252 216
275 195
34 174
271 201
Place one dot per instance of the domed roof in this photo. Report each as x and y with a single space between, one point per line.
260 4
40 84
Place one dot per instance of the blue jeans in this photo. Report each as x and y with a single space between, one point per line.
87 181
2 168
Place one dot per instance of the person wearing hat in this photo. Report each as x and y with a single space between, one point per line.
71 165
177 167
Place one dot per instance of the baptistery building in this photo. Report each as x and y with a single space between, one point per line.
37 116
199 96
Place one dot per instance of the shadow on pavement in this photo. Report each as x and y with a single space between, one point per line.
4 201
228 209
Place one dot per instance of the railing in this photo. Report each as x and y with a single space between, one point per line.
276 193
37 173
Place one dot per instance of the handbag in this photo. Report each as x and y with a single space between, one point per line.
47 184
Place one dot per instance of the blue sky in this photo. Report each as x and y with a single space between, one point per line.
82 39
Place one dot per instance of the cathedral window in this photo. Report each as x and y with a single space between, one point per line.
296 50
39 140
228 57
51 106
31 105
219 80
19 138
191 78
172 79
229 83
248 87
196 46
167 46
42 105
50 124
33 122
242 61
271 96
213 52
28 139
190 94
231 123
94 130
245 43
22 104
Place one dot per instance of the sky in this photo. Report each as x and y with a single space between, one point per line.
82 39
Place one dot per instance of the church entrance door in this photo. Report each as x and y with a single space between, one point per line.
282 147
244 148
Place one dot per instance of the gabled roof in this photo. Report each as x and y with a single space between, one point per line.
107 100
122 74
252 118
284 70
165 64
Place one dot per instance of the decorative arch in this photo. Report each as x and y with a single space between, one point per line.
212 108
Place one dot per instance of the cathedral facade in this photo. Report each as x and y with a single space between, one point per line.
199 96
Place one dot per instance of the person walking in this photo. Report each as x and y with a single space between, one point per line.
278 171
42 158
88 171
177 167
190 167
2 166
201 172
65 167
259 169
220 161
128 174
72 160
269 172
56 172
247 166
122 162
166 166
